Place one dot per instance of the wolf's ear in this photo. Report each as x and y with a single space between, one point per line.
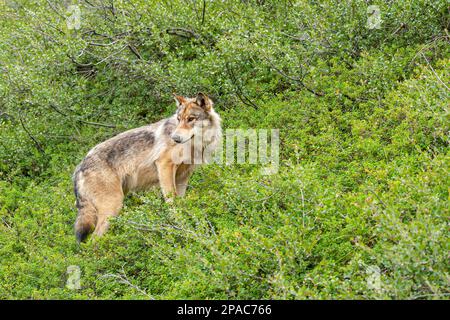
203 101
179 100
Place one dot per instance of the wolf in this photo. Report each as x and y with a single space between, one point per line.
164 153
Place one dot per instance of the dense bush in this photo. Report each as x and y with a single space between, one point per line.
363 119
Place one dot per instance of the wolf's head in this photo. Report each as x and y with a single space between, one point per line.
194 115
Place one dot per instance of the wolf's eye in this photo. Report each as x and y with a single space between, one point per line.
190 119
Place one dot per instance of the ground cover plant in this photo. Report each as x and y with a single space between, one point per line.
357 210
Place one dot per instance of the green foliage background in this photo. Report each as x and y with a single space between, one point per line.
364 165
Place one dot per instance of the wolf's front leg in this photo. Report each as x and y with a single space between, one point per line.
166 175
182 176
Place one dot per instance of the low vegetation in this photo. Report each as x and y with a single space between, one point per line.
357 209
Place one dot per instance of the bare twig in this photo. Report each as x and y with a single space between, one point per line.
145 227
103 44
244 99
79 63
439 295
122 278
428 63
402 25
111 55
97 124
203 11
55 10
36 143
135 52
299 81
182 32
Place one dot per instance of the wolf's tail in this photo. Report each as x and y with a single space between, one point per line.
86 220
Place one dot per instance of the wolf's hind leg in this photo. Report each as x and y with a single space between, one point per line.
109 207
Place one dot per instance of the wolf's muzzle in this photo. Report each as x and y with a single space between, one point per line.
177 138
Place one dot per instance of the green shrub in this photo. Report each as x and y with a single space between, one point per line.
362 187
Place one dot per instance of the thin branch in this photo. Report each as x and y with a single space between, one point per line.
134 51
79 63
161 228
36 143
96 44
98 124
182 32
203 11
107 125
244 99
402 25
55 10
111 55
421 296
428 63
299 81
122 278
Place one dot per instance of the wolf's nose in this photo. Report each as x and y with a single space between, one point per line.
176 138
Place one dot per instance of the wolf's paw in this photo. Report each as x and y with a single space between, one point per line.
169 200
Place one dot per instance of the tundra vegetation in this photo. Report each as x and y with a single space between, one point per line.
357 209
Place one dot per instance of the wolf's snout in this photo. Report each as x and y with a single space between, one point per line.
176 138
